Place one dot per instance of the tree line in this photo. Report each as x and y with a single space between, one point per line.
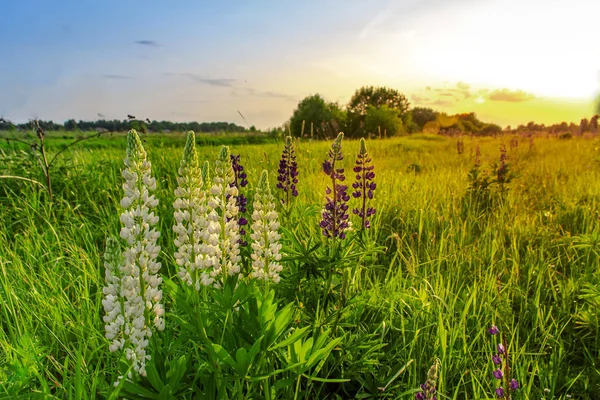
130 123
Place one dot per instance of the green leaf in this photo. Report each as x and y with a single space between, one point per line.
133 388
176 371
166 393
295 336
153 377
223 355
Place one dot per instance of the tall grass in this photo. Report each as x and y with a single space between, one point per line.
449 269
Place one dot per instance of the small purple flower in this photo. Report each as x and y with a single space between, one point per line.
497 360
514 385
498 374
240 181
501 349
288 171
364 185
335 213
494 330
419 396
500 392
428 389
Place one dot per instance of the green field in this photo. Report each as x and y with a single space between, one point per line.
434 272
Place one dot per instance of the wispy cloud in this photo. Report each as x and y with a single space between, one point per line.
419 99
147 43
512 96
270 94
112 76
221 82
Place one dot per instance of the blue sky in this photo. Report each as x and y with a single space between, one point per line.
510 61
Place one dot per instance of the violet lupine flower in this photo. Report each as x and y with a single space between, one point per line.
240 180
428 389
335 215
502 371
364 185
288 171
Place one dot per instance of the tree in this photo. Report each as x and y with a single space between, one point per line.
314 114
423 115
376 97
383 121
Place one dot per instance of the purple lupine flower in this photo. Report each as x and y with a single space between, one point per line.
502 170
240 181
501 348
288 171
364 185
428 389
502 369
335 214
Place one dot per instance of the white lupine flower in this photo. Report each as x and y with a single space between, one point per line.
113 299
135 283
265 238
223 228
196 252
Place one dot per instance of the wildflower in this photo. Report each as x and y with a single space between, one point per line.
288 171
502 371
223 222
335 215
428 389
195 241
239 182
502 170
364 185
265 238
140 270
113 299
494 330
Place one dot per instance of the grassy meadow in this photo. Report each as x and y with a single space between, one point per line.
440 270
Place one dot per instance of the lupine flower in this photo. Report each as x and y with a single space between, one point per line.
502 170
113 296
428 389
364 185
288 172
195 241
140 270
239 182
224 217
265 238
335 215
502 371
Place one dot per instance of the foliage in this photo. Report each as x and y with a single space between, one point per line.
316 118
376 97
421 284
383 122
423 115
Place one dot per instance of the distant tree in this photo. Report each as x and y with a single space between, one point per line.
71 125
593 126
383 120
326 118
490 129
423 115
375 97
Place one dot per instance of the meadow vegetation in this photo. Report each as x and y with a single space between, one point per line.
494 231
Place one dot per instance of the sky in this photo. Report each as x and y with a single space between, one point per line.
509 61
